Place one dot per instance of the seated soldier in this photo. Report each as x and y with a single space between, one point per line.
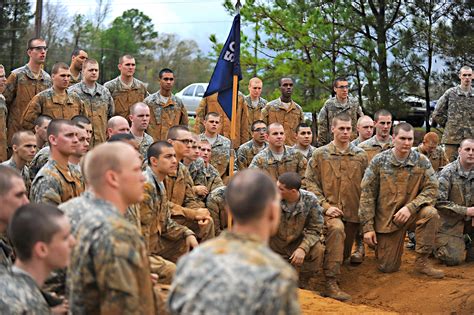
456 208
298 239
215 202
249 149
430 147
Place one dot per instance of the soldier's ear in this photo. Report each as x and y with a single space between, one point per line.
153 161
40 250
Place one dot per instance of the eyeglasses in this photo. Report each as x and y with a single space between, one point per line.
342 87
184 141
39 48
260 130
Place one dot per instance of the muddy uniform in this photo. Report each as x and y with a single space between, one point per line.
49 103
242 275
246 153
387 186
19 294
215 203
25 172
99 107
3 129
373 147
308 153
291 161
183 202
438 158
334 177
455 112
456 194
332 107
40 159
165 114
301 226
55 184
74 80
204 175
125 96
254 112
220 155
22 85
211 104
275 112
109 271
144 143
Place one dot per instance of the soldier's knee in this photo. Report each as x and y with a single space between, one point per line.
335 226
429 212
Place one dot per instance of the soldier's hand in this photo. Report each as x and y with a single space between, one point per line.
334 212
202 213
470 211
191 242
402 216
370 238
61 309
201 190
297 258
154 278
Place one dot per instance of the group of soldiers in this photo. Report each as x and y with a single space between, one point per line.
122 191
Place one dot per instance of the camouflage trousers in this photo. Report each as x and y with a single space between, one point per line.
451 151
165 269
451 245
390 246
313 261
203 232
220 220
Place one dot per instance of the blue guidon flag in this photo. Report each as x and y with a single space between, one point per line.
227 66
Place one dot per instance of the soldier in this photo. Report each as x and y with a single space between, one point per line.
285 111
399 189
97 99
42 240
24 83
40 126
3 117
454 112
56 101
304 137
85 123
117 124
327 177
249 149
78 57
255 103
299 238
210 104
277 158
83 140
456 208
186 208
125 89
109 271
24 150
341 103
251 277
140 118
165 108
382 140
57 181
3 79
365 129
215 203
430 147
13 195
220 155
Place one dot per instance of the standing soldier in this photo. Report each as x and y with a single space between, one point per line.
3 116
304 137
341 103
249 149
365 129
165 108
285 111
78 57
255 103
125 89
399 189
382 140
40 127
334 174
430 147
24 83
97 99
454 111
55 102
140 118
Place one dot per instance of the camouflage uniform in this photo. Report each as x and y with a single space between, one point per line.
357 141
373 147
437 158
76 208
144 144
183 202
454 111
73 80
40 159
125 96
20 294
211 104
215 203
307 153
301 226
275 112
3 129
246 153
205 175
7 254
292 161
49 103
164 116
25 172
334 177
253 113
234 274
456 194
99 107
220 155
21 87
55 184
387 186
332 107
109 271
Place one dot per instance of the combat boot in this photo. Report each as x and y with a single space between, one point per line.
332 290
358 256
470 254
423 265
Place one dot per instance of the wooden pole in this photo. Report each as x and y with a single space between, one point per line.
233 123
38 17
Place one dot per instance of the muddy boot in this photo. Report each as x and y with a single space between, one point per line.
332 290
423 265
469 248
357 257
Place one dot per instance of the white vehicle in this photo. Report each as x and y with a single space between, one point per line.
191 96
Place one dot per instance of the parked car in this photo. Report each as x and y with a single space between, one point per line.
191 96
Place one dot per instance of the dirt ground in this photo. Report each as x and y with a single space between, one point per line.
402 292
